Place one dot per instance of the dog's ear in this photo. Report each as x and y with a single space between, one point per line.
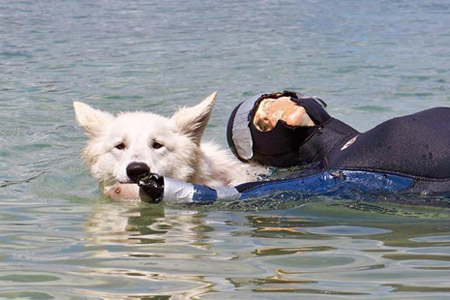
92 120
193 120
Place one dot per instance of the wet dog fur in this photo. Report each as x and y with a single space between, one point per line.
169 146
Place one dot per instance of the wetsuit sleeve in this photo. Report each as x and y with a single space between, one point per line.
180 191
341 183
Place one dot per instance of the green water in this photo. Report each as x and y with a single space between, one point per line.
370 60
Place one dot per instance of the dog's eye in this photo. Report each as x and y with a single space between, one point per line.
120 146
157 145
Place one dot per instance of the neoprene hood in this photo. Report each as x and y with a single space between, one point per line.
279 147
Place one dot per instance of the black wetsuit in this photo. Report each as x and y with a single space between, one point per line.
404 155
416 146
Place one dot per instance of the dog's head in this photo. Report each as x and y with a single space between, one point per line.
122 147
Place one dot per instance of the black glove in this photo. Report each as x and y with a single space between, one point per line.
153 185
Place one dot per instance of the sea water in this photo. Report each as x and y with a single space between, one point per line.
59 239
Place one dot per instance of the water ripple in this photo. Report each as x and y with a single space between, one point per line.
370 60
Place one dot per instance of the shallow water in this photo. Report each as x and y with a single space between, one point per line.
370 60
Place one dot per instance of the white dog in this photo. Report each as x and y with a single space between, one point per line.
122 147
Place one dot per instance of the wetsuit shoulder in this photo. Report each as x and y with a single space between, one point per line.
416 145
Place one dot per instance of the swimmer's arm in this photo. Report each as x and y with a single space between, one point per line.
167 189
330 182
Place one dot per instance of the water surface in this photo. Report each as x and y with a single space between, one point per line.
370 60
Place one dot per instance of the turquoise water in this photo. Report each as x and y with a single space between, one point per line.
370 60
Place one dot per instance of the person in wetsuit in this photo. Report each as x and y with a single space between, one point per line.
405 154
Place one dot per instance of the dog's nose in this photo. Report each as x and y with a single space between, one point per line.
135 169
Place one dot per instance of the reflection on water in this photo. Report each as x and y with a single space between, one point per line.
140 251
110 250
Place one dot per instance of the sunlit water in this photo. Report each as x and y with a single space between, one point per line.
370 60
